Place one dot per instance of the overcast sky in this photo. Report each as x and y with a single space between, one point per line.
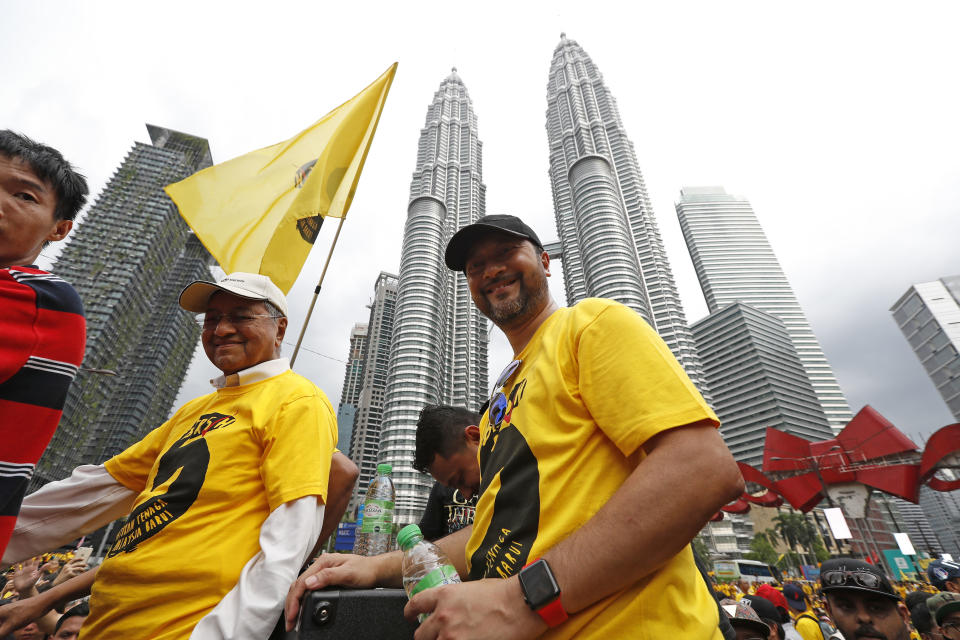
837 120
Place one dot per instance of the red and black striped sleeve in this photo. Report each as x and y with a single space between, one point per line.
42 339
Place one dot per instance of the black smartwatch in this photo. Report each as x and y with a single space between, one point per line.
541 592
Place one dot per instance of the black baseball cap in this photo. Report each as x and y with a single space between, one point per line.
847 574
462 240
940 571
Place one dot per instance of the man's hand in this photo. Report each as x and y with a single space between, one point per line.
330 569
73 568
26 576
21 613
491 608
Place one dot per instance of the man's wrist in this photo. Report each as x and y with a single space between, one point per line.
527 618
389 569
542 592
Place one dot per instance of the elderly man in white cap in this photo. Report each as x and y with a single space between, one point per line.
225 499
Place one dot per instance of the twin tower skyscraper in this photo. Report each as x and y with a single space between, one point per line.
609 245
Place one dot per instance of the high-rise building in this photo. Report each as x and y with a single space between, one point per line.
364 443
928 314
915 519
129 259
439 350
942 510
611 246
735 263
352 384
756 379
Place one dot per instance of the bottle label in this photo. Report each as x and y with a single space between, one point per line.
377 516
445 574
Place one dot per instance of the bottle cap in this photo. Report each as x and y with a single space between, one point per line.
409 536
383 469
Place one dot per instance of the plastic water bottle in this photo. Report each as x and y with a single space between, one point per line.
424 565
376 532
359 546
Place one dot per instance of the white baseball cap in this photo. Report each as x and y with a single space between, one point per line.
252 286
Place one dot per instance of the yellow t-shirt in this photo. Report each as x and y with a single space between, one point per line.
595 383
807 626
207 479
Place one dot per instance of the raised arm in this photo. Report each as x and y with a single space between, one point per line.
15 615
64 510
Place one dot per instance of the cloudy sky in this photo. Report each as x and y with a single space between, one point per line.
837 120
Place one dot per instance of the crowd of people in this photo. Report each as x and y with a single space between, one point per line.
553 512
27 579
852 599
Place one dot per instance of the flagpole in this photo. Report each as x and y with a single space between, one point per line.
316 294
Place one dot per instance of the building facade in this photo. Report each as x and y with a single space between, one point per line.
611 245
757 380
363 446
735 263
928 314
352 384
129 259
439 350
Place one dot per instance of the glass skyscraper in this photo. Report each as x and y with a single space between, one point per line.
439 349
757 380
129 258
352 385
364 442
928 314
735 263
611 246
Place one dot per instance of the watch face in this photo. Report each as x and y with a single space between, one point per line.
538 584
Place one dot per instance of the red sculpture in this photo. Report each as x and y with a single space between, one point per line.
869 450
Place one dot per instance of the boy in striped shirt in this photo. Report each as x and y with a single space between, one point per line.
42 327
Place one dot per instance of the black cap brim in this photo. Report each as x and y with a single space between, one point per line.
875 592
455 256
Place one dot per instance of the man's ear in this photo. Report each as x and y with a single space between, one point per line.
472 434
60 230
281 330
903 611
545 261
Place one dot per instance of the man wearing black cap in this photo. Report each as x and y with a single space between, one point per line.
599 462
861 602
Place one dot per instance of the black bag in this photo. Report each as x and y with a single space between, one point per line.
353 614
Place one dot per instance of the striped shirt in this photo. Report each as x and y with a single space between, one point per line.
42 337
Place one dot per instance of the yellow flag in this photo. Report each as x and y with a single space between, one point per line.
261 212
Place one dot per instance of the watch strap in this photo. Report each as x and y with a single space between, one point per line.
553 612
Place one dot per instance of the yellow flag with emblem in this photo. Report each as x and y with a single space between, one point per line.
261 212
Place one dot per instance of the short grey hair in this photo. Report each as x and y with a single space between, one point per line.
272 309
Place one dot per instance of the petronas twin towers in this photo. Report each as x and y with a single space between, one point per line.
608 236
609 245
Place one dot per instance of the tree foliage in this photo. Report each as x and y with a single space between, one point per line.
761 549
702 552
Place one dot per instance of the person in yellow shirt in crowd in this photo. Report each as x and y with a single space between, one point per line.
593 459
804 619
225 500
